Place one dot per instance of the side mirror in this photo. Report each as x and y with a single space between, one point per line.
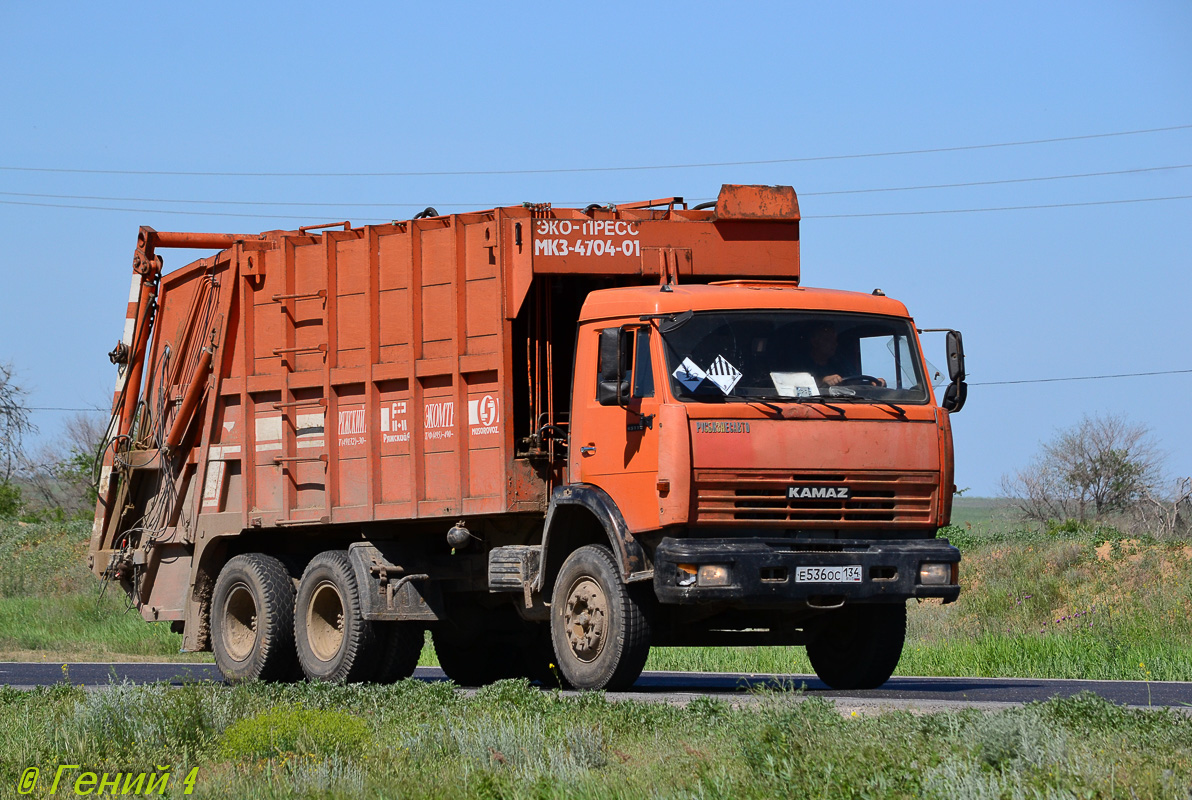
954 396
955 357
612 389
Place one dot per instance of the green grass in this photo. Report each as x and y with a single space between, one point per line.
53 608
416 740
985 514
77 623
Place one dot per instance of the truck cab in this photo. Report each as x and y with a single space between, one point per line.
778 460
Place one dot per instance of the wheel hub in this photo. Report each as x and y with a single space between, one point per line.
325 621
240 622
585 619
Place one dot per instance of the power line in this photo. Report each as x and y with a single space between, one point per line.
262 202
986 183
291 204
1087 377
446 173
171 211
985 383
999 208
806 217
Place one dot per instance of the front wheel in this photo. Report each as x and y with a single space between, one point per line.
600 626
859 645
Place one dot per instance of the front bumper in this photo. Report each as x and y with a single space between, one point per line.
762 572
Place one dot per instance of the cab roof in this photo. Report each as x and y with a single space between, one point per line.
732 295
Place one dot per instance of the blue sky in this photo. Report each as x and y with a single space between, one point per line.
1039 293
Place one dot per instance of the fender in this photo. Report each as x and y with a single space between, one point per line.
210 554
631 556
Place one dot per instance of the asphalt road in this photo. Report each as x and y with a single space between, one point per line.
899 692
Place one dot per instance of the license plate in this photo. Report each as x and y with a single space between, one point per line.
848 574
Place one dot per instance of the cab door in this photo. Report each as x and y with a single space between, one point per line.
614 437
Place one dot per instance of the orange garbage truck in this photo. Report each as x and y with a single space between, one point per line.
551 437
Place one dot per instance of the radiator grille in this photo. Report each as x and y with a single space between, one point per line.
876 499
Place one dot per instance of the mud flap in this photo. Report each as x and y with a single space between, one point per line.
388 593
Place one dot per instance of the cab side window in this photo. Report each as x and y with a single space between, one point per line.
643 369
624 353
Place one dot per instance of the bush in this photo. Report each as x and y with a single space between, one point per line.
1099 467
958 537
10 500
1019 738
145 720
281 731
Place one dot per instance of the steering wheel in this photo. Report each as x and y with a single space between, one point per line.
860 380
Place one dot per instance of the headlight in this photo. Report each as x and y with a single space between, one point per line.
935 574
714 575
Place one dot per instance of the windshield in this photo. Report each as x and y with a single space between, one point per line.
793 355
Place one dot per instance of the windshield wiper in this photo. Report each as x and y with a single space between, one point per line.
787 398
899 410
860 398
769 402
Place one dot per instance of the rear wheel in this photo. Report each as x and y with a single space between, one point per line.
400 648
536 657
334 641
252 620
478 645
859 646
599 626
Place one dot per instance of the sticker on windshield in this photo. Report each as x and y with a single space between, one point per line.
723 374
795 384
689 374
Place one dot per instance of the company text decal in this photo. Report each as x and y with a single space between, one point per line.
722 427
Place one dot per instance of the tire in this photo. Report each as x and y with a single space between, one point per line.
471 665
600 627
859 646
334 641
400 648
252 620
536 657
477 646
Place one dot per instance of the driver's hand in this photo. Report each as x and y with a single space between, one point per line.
832 380
881 382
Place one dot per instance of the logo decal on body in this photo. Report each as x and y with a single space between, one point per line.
351 422
817 493
353 427
393 423
439 422
722 427
484 416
